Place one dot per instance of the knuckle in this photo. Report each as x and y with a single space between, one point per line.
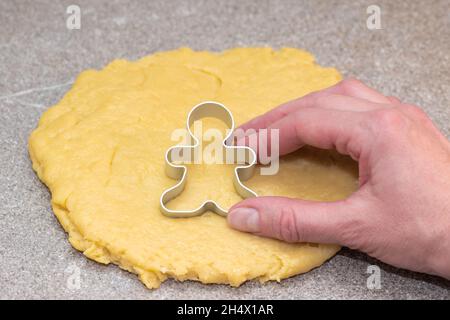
286 226
414 111
350 85
390 118
297 116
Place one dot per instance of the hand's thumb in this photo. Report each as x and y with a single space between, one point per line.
294 220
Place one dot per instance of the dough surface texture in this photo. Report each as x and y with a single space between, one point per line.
100 151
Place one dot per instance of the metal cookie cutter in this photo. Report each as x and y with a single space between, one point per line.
179 171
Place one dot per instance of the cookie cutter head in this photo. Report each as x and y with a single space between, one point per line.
176 170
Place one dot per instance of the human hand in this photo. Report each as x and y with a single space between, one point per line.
401 212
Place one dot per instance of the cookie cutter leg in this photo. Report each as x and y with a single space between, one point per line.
174 169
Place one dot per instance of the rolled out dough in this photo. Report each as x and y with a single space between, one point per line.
100 151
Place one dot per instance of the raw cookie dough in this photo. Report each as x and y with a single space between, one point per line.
100 151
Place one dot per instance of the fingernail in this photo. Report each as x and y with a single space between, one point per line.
244 219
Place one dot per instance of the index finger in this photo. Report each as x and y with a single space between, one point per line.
344 131
368 98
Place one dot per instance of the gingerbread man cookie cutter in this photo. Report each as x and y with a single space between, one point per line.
178 171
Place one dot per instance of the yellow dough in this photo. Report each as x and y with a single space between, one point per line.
100 151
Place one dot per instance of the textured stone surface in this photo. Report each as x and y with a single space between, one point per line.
39 58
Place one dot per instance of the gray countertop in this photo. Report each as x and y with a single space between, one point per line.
39 58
